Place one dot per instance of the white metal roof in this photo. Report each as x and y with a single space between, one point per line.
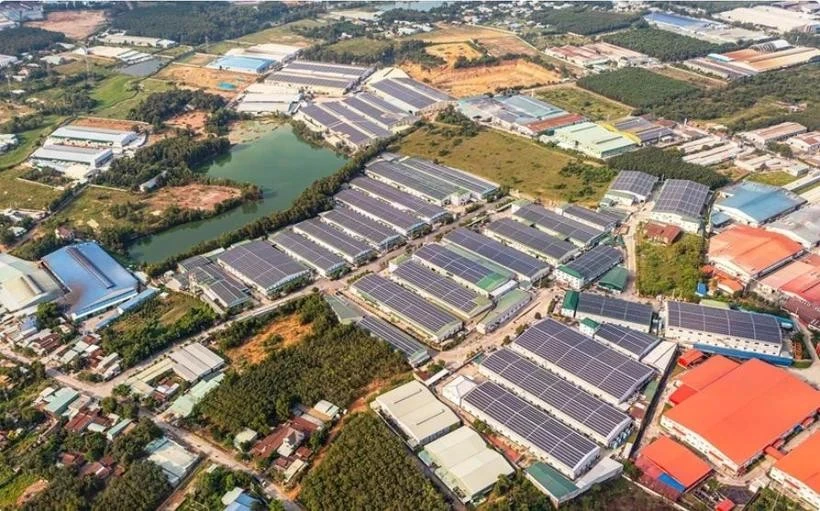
417 411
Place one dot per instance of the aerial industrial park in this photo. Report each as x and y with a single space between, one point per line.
410 255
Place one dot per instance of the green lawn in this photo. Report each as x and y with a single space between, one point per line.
510 160
669 270
175 51
221 47
10 492
572 99
23 194
283 34
145 88
27 141
776 178
113 90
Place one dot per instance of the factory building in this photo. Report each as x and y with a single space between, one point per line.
749 253
755 204
797 472
681 203
763 136
593 140
24 285
416 412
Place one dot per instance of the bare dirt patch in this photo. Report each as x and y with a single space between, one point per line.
104 123
289 328
200 59
225 83
478 80
192 196
452 51
497 42
193 120
74 24
31 492
9 110
500 46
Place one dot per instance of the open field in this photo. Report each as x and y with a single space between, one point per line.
192 196
478 80
519 163
199 59
77 65
450 52
105 123
221 47
74 24
671 271
360 47
175 50
14 489
9 110
284 34
26 142
144 88
696 79
113 90
497 42
194 120
594 106
23 194
92 209
170 310
253 351
776 178
763 108
212 80
500 46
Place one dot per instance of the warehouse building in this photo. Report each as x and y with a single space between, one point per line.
135 40
430 321
217 287
642 130
263 98
278 53
242 64
588 267
24 285
93 280
440 289
378 235
194 361
74 162
600 308
769 16
83 136
409 95
725 331
803 225
805 142
797 472
174 460
741 413
592 140
764 136
632 343
326 263
466 272
755 204
262 267
630 187
465 464
416 412
523 115
506 308
798 279
598 55
414 351
319 77
430 213
588 364
354 251
681 203
670 468
749 253
600 220
531 241
563 227
383 212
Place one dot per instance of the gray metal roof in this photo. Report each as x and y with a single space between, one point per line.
261 264
746 325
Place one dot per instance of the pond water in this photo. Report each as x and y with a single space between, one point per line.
278 162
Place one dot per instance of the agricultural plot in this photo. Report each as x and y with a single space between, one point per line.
664 45
638 87
497 42
216 81
478 80
698 80
573 99
450 52
360 47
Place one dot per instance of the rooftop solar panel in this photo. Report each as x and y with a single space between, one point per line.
433 188
451 263
456 177
600 219
682 197
406 304
325 67
555 393
315 81
393 336
377 102
423 89
426 211
309 252
557 225
375 233
386 118
261 264
632 181
615 308
335 239
747 325
401 92
591 265
458 298
537 427
509 258
551 248
384 212
321 116
633 341
354 135
599 366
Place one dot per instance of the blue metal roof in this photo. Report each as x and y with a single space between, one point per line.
94 280
238 62
757 202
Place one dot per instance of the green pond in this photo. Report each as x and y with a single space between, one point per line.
278 162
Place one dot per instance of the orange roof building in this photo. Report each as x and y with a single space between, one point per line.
800 279
798 472
706 373
735 417
677 461
750 252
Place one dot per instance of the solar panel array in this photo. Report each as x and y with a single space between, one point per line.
595 364
582 407
376 109
425 210
338 241
225 287
405 303
327 68
600 219
431 187
321 259
410 92
331 122
539 242
748 325
455 264
533 424
392 335
596 262
682 197
446 290
309 81
615 308
373 232
378 209
500 254
633 341
457 177
556 224
261 264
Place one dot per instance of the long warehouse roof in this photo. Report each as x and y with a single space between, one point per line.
500 254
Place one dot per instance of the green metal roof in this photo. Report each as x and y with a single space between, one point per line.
616 278
571 300
551 480
569 271
590 323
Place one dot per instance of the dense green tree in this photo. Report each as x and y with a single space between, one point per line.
665 45
142 488
667 165
14 41
638 87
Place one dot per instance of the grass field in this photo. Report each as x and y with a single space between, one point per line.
573 99
671 271
22 194
360 46
284 34
171 309
144 88
776 178
91 208
175 50
221 47
26 142
10 492
696 79
114 89
509 160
